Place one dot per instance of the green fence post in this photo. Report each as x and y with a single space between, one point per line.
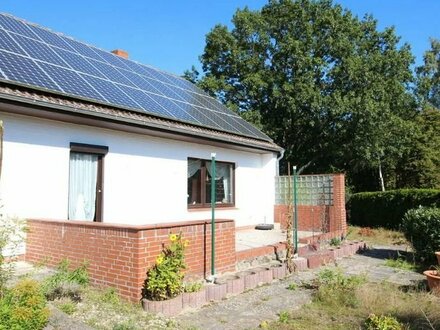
213 214
296 209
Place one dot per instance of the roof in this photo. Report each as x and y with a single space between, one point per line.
33 99
38 65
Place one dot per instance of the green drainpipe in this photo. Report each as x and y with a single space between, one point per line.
213 214
296 210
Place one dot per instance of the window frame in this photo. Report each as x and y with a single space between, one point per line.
100 151
202 187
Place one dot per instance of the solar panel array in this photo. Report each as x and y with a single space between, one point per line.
34 56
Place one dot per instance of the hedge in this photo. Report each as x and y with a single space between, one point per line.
386 209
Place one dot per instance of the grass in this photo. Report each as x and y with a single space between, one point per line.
401 263
342 302
376 236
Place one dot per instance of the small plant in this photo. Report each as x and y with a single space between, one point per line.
264 325
283 317
334 287
165 278
292 286
335 242
110 296
382 322
23 307
192 287
68 307
65 282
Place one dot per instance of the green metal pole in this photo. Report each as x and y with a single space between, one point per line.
295 205
213 214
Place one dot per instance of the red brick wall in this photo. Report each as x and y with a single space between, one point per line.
310 218
119 256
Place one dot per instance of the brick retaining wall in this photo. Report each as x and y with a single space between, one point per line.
120 255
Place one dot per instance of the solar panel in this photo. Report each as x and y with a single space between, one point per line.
49 37
39 58
24 70
39 50
77 63
7 43
70 82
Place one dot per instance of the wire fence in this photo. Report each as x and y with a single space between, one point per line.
311 189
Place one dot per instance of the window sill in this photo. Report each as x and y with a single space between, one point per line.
217 208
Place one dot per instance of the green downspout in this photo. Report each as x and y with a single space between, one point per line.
296 209
213 214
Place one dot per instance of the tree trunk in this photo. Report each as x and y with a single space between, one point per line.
382 184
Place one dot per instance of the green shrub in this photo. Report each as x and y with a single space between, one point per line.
382 322
165 278
422 228
386 209
23 307
65 282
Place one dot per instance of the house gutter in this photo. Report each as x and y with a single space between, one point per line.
278 160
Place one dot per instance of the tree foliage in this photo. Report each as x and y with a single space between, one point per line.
428 76
325 85
420 165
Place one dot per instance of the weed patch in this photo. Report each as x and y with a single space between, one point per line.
65 282
400 263
345 302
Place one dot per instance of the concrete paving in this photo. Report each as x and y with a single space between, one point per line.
248 310
252 238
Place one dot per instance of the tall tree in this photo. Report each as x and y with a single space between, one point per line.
328 87
428 76
420 165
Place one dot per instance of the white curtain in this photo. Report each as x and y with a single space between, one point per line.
193 166
223 171
82 186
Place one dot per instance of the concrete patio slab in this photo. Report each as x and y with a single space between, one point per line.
252 238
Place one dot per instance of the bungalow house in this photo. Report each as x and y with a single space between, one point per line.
96 144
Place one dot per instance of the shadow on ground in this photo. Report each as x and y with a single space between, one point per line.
388 253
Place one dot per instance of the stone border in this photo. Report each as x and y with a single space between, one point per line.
240 282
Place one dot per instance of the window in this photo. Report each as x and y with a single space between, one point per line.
86 182
199 183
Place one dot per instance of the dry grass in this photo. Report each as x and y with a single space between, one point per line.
414 308
376 236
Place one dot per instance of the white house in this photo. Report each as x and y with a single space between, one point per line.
90 135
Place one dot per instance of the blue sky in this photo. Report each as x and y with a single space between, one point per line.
170 34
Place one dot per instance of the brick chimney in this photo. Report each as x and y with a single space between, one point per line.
121 53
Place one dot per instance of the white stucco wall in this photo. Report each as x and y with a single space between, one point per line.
145 178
